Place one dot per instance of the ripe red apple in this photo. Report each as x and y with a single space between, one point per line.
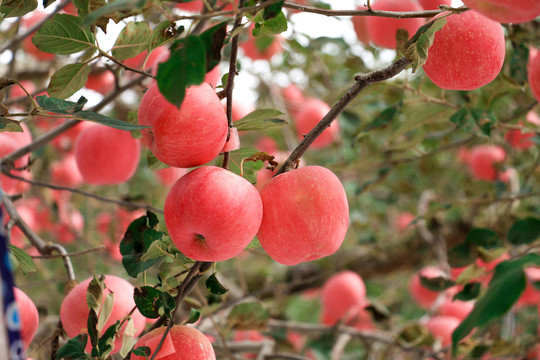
106 156
213 77
190 136
29 316
192 6
22 138
456 308
382 31
71 9
482 159
309 115
360 26
70 223
531 295
113 231
519 139
234 141
263 47
434 4
65 142
343 298
442 327
423 296
8 144
168 176
28 46
467 53
181 343
102 81
533 72
157 55
505 11
74 310
212 214
65 172
305 217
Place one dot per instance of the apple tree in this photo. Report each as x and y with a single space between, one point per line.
269 179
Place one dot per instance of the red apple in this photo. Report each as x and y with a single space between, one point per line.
403 221
248 335
71 9
360 26
74 310
309 115
456 308
213 77
102 81
505 11
533 72
293 97
262 47
531 295
157 55
65 172
423 296
482 159
181 343
212 214
190 136
66 141
343 298
305 217
192 6
170 175
15 91
29 316
442 327
22 138
434 4
267 144
9 144
234 141
106 156
382 31
28 46
467 53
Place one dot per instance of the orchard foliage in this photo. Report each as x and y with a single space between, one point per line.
370 195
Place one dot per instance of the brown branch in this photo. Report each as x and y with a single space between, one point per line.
362 81
124 203
371 12
73 254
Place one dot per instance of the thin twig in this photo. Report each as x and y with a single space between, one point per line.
73 254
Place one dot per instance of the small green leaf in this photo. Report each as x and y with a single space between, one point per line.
273 10
250 315
132 40
107 121
74 348
94 292
153 303
272 26
260 119
112 7
461 255
214 286
194 316
58 106
164 32
26 264
213 39
437 283
524 231
417 48
463 120
385 117
156 250
17 8
144 351
518 62
136 241
470 292
86 6
186 66
485 120
484 238
68 80
63 34
9 125
106 341
91 326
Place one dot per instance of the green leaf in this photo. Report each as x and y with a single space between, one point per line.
91 326
519 57
485 120
436 283
106 341
484 238
504 290
9 125
260 119
74 348
272 26
136 241
68 80
105 311
132 40
164 32
144 351
214 286
17 8
417 48
385 117
26 264
475 121
470 292
112 7
153 303
249 169
194 316
461 255
524 231
58 106
186 66
63 34
156 250
154 163
273 10
213 39
249 315
84 7
105 120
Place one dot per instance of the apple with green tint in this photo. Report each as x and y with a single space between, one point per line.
212 214
305 215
